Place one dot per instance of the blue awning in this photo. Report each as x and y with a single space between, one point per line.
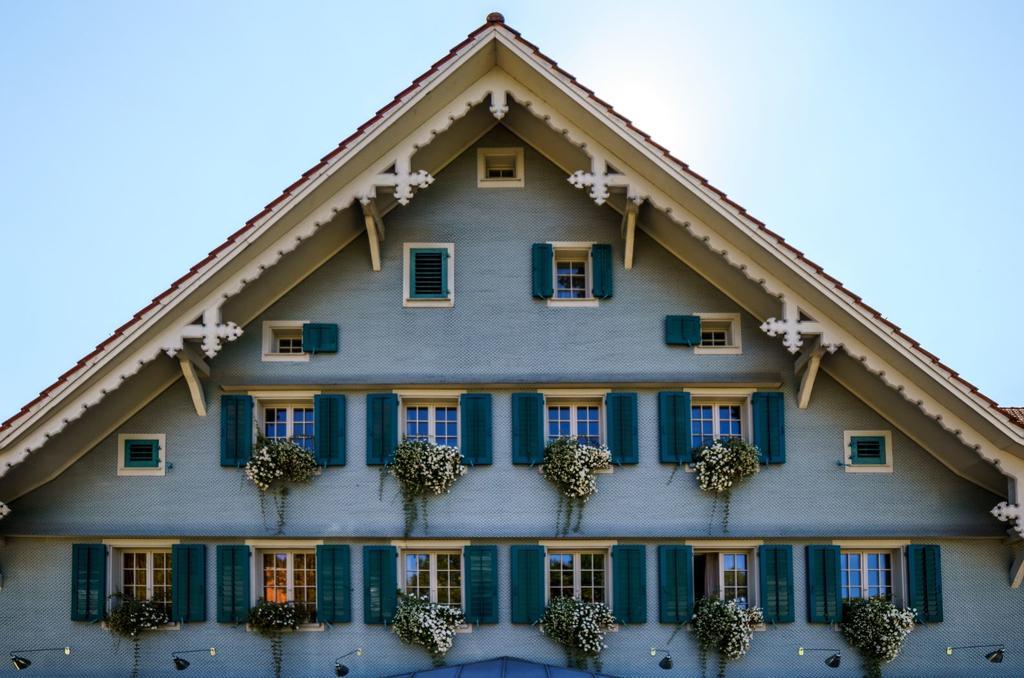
502 667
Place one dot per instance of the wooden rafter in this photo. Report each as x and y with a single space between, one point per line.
629 231
194 368
374 231
808 363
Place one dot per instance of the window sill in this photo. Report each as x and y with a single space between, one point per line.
717 350
141 471
429 303
600 472
173 626
285 357
500 183
867 468
573 303
465 628
303 628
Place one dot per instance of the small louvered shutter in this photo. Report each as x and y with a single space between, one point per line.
867 450
769 426
601 258
824 602
924 581
674 435
629 577
675 583
527 583
232 583
527 428
88 582
543 259
775 571
380 584
428 274
381 428
333 583
188 582
235 429
320 338
481 584
329 429
622 428
475 443
682 330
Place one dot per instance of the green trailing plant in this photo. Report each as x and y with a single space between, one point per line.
130 617
724 628
876 629
430 625
722 465
579 627
570 465
275 463
272 619
423 470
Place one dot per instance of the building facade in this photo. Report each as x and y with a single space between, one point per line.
437 276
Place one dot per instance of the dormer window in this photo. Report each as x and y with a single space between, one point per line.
500 167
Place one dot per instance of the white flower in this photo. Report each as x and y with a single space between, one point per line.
724 463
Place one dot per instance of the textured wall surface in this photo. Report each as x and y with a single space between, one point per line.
497 333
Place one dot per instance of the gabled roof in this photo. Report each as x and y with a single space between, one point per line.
759 253
502 667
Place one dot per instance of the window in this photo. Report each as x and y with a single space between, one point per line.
578 574
289 422
711 421
141 454
282 341
866 574
499 167
428 274
725 574
290 577
868 451
571 275
433 422
146 575
719 334
581 419
436 575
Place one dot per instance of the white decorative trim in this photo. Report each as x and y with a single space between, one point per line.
574 393
402 180
211 330
289 396
410 302
283 543
599 180
482 180
734 348
1010 513
429 393
569 544
792 329
499 104
848 464
158 470
719 544
5 511
431 544
881 544
267 353
139 543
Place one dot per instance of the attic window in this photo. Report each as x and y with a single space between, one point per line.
868 451
141 454
282 341
429 274
500 167
719 334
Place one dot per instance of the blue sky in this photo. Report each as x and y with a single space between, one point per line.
883 139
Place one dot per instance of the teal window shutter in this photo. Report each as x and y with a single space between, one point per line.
924 581
381 428
232 583
320 338
475 443
769 426
601 259
333 583
867 450
235 429
527 583
622 428
428 273
380 584
675 583
674 435
824 602
629 577
543 276
188 583
775 572
527 428
88 582
682 330
329 429
141 453
481 563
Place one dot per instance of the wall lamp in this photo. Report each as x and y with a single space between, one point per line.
832 662
181 663
666 661
20 662
995 656
339 668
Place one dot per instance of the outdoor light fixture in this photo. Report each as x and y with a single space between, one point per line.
832 662
20 662
180 664
339 668
995 656
666 661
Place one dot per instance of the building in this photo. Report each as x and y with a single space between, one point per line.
497 256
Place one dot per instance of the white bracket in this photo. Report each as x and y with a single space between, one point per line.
808 363
5 510
193 368
599 181
499 103
374 231
792 329
403 180
1010 513
212 332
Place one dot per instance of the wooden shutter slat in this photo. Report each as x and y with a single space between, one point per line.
527 428
924 581
674 427
622 427
380 584
824 601
675 583
682 330
88 582
768 410
527 583
333 583
481 567
601 259
629 577
381 427
235 429
329 424
475 415
188 582
233 583
543 255
775 570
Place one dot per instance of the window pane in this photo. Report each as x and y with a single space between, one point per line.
734 578
560 567
446 426
592 577
588 424
702 425
449 579
729 423
275 423
559 422
417 423
571 279
302 429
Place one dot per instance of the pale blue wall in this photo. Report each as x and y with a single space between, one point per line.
497 333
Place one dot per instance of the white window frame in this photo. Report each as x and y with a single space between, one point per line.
848 464
724 400
483 181
735 346
564 249
576 552
407 300
431 403
269 352
261 405
257 547
115 571
748 547
432 554
159 470
897 551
